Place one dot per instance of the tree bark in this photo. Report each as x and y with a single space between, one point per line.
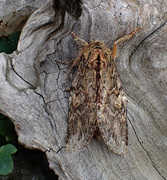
32 83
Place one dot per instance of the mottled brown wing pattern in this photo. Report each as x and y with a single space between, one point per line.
97 100
82 109
111 114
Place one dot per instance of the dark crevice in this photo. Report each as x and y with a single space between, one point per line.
12 66
137 47
50 149
45 104
163 24
63 147
146 151
47 111
28 161
41 97
73 7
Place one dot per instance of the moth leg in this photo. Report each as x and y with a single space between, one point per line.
124 38
79 41
65 63
67 90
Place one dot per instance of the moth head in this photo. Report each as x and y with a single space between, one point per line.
97 60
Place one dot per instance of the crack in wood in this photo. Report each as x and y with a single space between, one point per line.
146 151
12 66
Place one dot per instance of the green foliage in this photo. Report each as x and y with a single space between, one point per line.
9 44
7 135
6 162
7 131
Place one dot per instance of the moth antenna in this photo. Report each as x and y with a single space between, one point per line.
124 38
78 40
78 58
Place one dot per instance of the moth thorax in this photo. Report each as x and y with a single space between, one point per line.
97 60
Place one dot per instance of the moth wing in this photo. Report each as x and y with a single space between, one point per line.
82 111
111 115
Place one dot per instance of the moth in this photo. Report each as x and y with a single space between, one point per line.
97 102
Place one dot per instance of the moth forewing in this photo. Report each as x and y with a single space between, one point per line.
111 114
82 112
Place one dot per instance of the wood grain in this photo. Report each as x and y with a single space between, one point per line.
32 83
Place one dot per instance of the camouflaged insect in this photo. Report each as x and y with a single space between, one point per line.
97 103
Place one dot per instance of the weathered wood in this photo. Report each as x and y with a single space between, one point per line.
31 84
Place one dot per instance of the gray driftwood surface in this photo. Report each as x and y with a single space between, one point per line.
32 83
